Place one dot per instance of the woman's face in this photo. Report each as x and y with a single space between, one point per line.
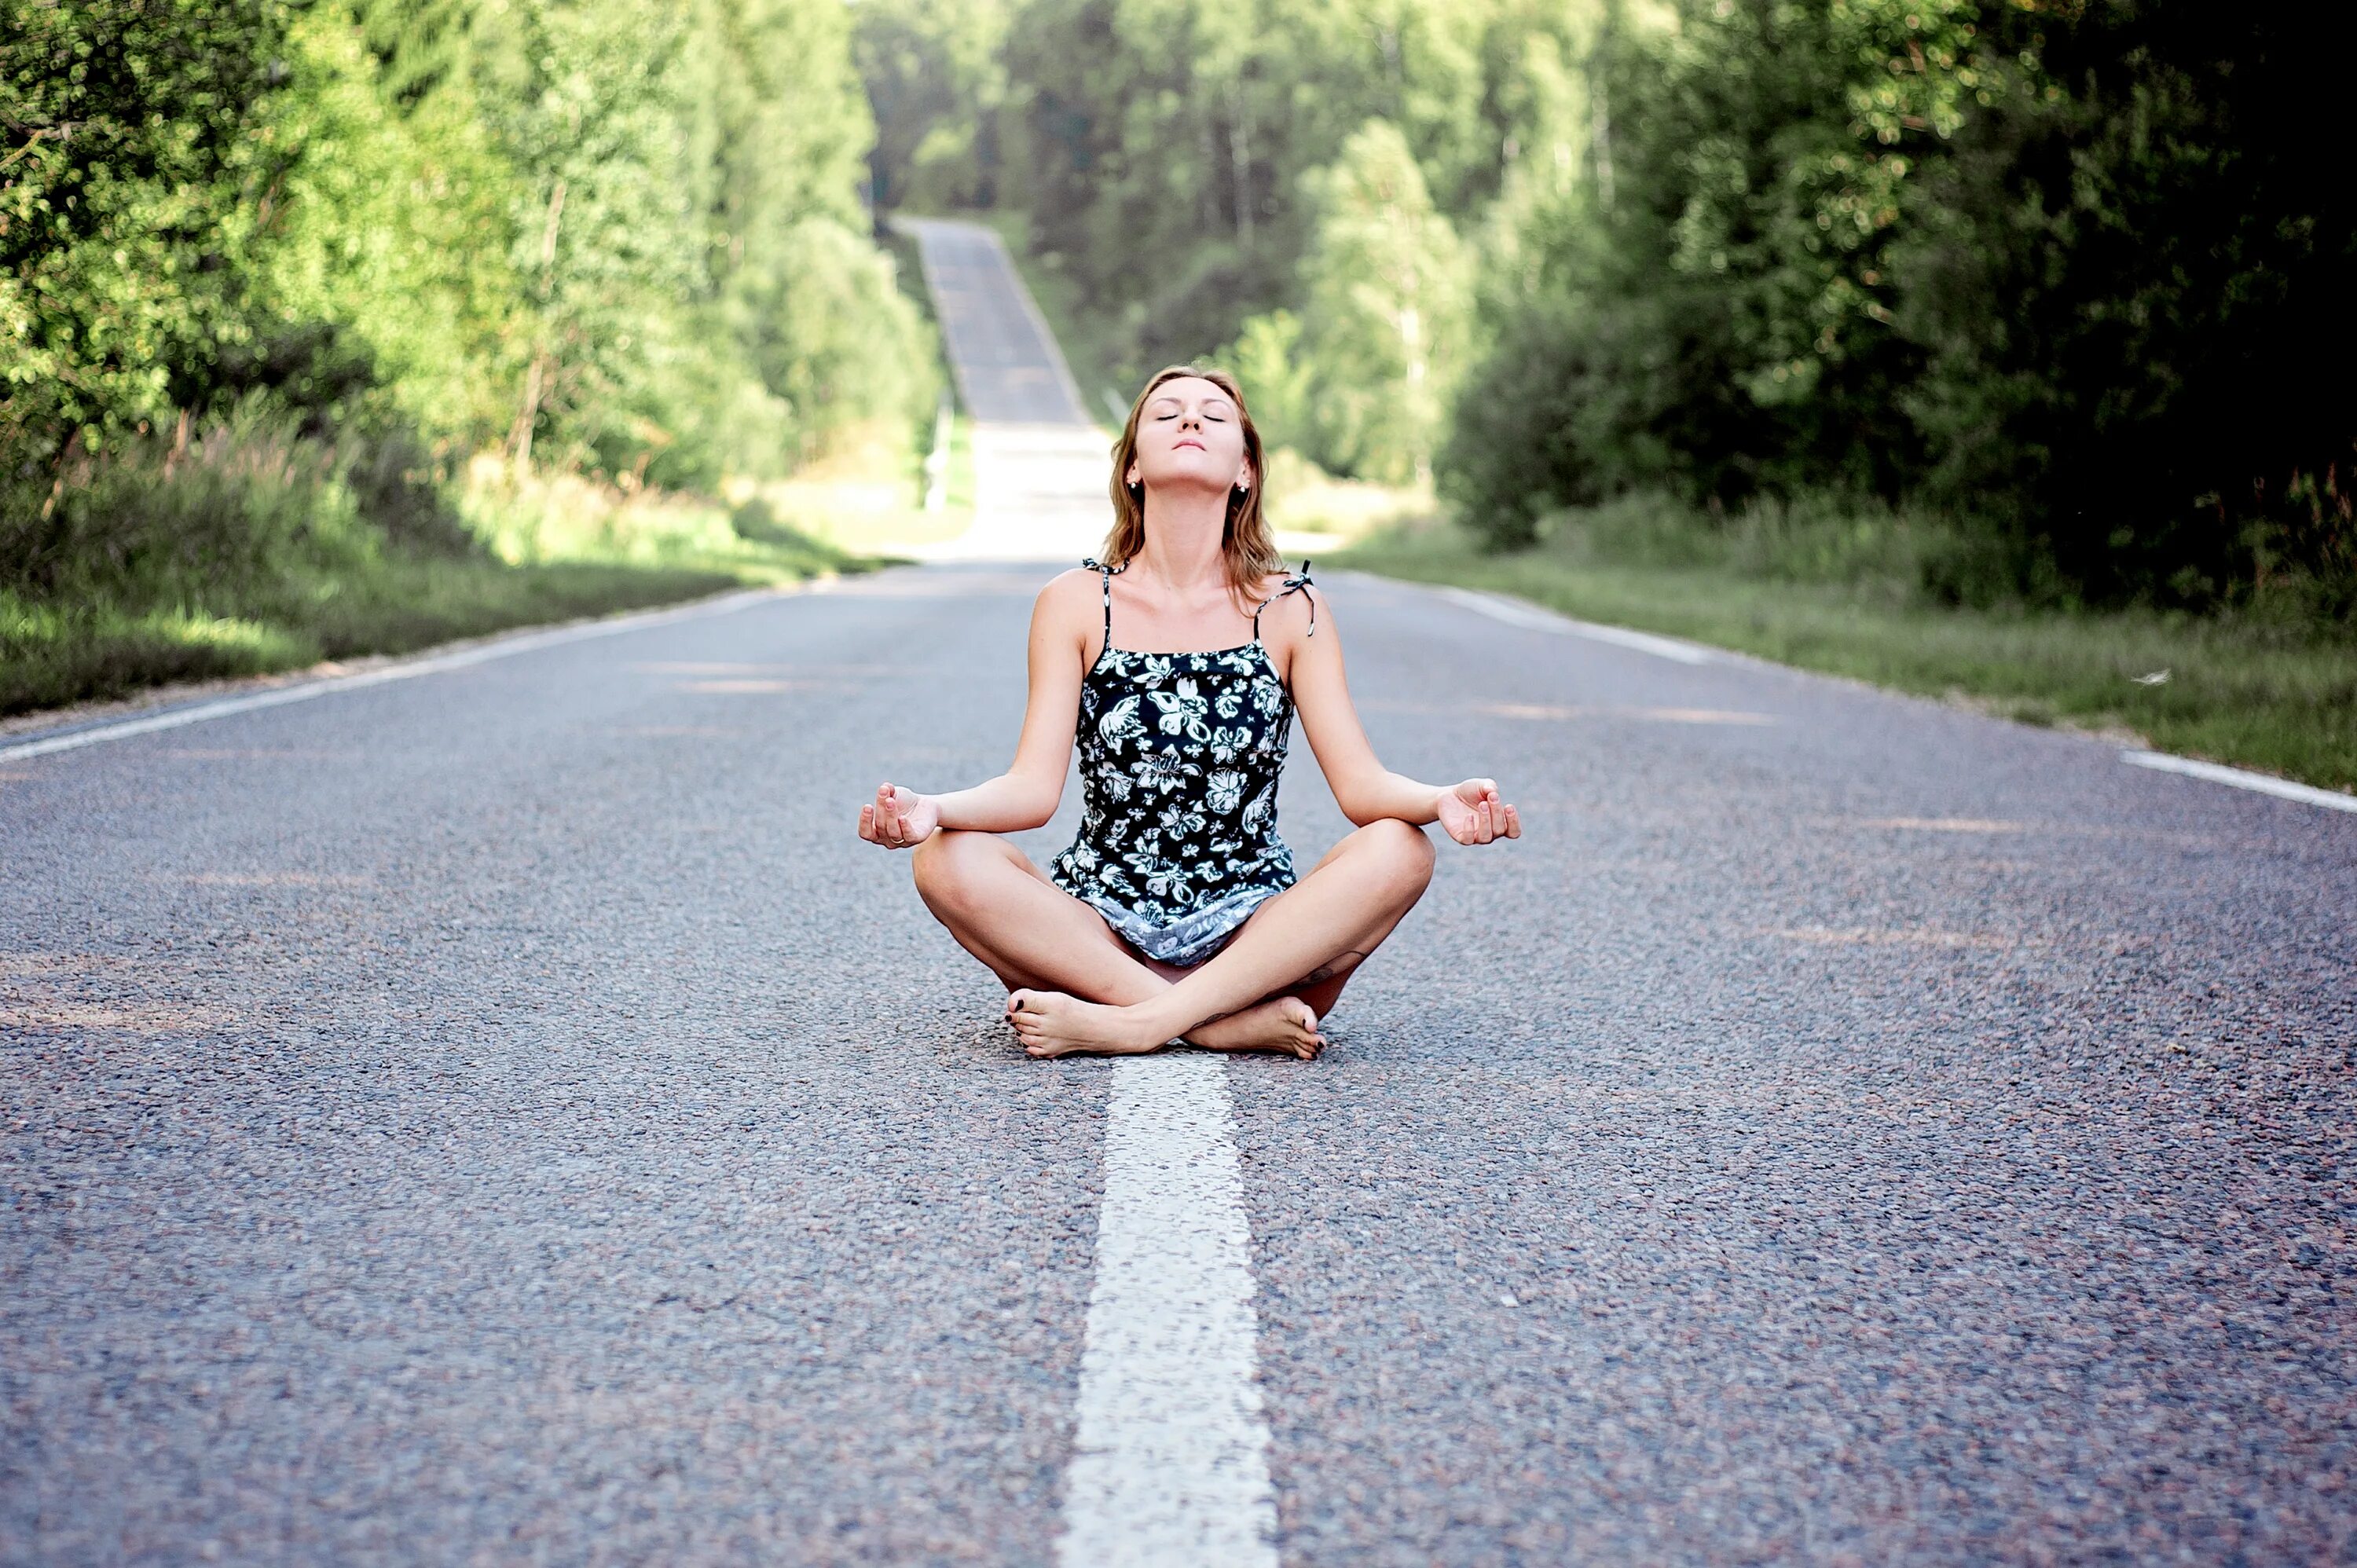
1190 436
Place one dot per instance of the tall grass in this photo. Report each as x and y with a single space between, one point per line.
246 548
1905 601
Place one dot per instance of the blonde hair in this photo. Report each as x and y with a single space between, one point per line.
1247 544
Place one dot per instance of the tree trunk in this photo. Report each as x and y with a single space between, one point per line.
1240 160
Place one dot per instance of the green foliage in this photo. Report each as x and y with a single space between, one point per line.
1267 360
126 233
53 653
274 273
2063 268
1389 290
606 237
2172 235
756 519
933 74
1165 145
243 504
245 547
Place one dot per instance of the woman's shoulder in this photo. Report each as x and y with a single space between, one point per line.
1078 585
1069 600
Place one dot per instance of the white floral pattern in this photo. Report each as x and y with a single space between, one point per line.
1180 754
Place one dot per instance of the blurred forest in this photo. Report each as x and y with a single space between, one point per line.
2074 279
306 303
282 281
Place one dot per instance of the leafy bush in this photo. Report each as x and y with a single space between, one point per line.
240 509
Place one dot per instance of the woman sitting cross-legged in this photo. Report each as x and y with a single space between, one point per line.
1175 913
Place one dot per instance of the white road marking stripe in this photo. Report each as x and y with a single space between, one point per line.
1513 612
1170 1459
2265 784
523 642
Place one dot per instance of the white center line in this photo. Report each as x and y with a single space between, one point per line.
1515 612
278 696
1170 1459
2265 783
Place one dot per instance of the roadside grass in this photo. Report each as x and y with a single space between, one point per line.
871 504
2271 687
246 561
1313 511
51 655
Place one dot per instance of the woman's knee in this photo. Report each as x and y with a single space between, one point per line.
1405 853
947 865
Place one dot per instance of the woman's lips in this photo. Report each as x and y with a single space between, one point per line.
1198 445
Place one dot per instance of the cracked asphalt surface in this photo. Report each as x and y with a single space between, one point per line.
507 1116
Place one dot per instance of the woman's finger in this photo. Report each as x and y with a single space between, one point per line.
1513 823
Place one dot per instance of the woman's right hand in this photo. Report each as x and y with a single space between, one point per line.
899 819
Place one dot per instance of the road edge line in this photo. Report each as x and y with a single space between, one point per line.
2241 778
1535 617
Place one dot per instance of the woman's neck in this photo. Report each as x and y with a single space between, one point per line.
1184 535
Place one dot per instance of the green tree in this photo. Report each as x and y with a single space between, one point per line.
1168 142
1268 362
2131 288
2061 267
132 196
933 72
600 236
1389 292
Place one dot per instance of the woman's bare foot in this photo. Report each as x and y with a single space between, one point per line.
1280 1023
1050 1024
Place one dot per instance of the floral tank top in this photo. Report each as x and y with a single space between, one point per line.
1179 759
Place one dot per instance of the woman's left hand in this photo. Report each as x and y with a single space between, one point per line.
1471 812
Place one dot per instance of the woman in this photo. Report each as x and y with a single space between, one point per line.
1175 913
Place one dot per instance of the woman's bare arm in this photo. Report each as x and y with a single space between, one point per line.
1063 626
1469 812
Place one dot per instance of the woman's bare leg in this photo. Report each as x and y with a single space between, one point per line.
1304 939
1031 933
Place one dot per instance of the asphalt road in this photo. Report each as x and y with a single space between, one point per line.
506 1115
1007 366
1040 465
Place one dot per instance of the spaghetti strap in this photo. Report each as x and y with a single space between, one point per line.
1293 585
1105 576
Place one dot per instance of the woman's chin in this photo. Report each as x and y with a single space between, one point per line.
1183 478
